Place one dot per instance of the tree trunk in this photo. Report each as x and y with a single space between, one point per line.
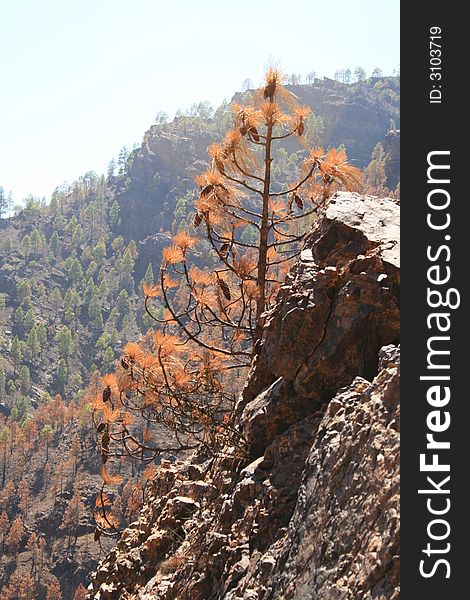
263 242
4 466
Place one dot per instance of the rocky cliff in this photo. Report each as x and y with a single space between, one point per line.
313 511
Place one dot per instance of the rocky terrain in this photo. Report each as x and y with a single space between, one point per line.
313 511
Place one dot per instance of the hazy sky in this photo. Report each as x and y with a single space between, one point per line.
79 79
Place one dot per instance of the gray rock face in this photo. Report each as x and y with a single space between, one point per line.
343 538
314 512
339 306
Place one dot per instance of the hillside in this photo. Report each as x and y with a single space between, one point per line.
71 274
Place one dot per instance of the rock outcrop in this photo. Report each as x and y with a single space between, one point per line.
313 512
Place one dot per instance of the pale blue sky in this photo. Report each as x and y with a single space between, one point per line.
81 78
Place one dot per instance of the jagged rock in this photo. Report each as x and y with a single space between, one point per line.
182 507
270 412
339 306
197 490
343 538
194 472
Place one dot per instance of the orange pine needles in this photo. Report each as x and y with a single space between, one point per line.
184 241
336 166
172 255
109 478
150 291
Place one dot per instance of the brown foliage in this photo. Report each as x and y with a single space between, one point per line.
53 590
21 587
4 523
74 510
15 536
80 593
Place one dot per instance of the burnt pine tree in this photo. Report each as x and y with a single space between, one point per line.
178 378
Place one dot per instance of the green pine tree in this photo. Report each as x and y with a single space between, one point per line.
62 373
64 342
24 379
